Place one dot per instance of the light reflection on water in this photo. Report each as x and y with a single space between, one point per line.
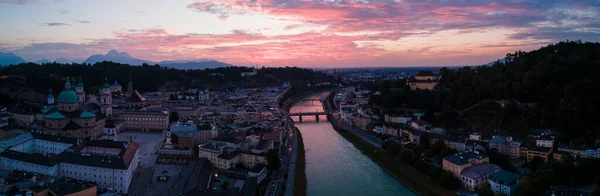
335 167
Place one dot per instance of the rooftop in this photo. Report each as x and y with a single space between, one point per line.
480 170
463 158
425 73
539 149
505 177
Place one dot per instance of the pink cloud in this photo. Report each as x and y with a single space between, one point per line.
18 2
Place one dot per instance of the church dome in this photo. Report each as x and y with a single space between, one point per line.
67 96
80 84
116 84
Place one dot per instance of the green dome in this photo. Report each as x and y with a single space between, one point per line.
105 85
67 96
55 115
80 84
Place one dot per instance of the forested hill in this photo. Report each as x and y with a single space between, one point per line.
563 79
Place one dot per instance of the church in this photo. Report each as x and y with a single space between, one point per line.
71 115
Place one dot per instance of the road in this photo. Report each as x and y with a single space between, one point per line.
187 178
278 177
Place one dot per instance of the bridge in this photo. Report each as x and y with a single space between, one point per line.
308 102
300 114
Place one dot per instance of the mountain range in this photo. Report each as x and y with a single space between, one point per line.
120 57
10 58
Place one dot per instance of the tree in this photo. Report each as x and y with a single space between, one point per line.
438 146
174 117
273 160
428 153
446 152
448 181
435 173
484 191
392 147
528 186
14 190
172 97
407 156
225 185
174 138
240 166
424 139
596 191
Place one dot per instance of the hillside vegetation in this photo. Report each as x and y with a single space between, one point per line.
554 87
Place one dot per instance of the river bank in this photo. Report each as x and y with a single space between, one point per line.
415 180
300 174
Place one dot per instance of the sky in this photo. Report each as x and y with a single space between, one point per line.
305 33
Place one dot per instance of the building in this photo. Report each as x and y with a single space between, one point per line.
537 151
544 141
504 182
560 155
477 175
72 117
456 163
592 153
184 140
112 128
424 80
156 120
397 119
475 136
107 163
506 145
378 129
391 130
116 88
224 156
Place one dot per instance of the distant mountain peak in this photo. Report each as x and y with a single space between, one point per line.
10 59
117 57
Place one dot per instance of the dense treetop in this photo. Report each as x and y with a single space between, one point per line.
557 87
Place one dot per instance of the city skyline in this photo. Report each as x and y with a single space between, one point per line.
295 33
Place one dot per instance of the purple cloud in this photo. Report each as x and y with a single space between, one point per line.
55 24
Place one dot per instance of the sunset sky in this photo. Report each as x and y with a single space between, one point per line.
307 33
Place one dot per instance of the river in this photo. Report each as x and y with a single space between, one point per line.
334 166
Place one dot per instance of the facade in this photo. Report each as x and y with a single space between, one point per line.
456 163
504 182
506 145
390 130
545 141
477 175
424 80
560 155
145 119
537 151
222 156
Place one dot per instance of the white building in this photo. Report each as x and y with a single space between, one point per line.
378 129
477 175
107 163
544 141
